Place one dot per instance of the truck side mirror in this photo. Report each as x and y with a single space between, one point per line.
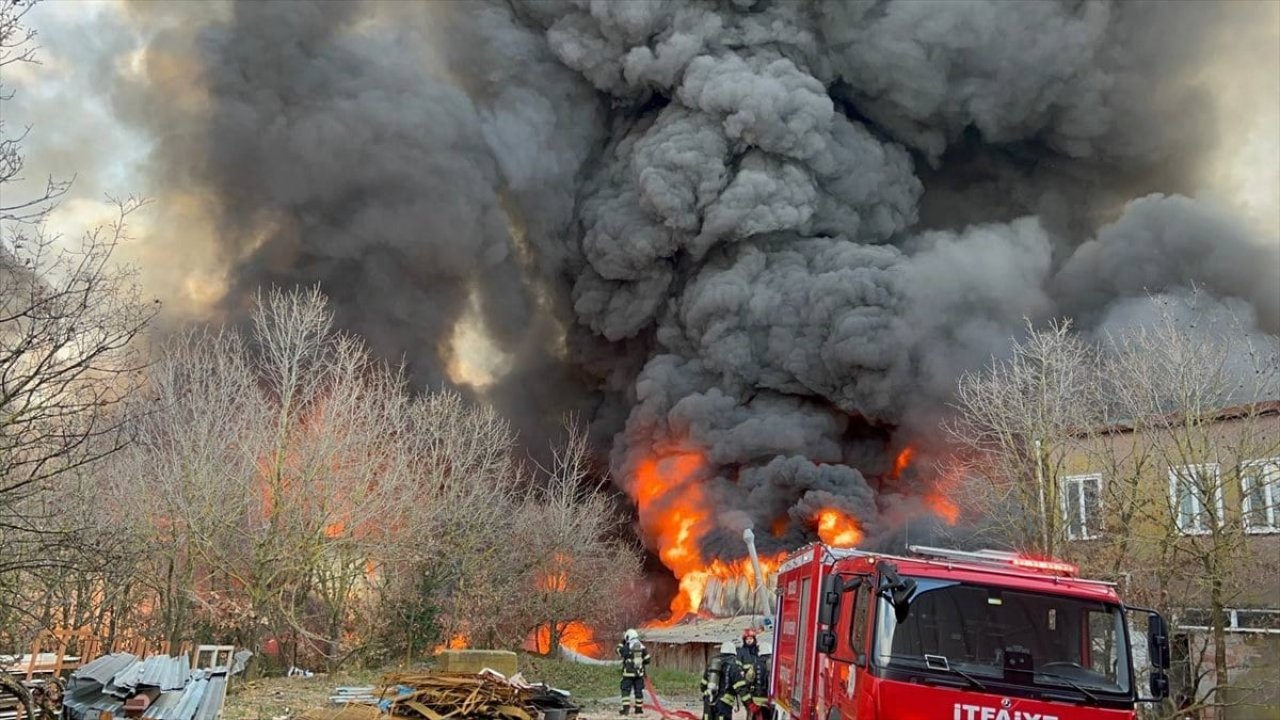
826 642
1159 685
1158 653
1158 645
829 602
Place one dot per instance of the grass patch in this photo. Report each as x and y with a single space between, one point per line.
601 681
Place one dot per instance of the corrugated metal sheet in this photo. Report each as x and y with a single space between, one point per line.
166 673
89 698
104 668
125 682
211 705
203 697
163 705
106 683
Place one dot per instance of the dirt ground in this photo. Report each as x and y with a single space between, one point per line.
286 698
607 708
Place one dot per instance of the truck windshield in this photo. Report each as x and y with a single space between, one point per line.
983 634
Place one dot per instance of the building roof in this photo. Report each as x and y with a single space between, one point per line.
1261 408
705 630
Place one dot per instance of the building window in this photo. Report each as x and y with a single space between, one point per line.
1197 498
1241 620
1081 506
1260 493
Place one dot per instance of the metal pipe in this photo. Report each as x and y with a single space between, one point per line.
762 583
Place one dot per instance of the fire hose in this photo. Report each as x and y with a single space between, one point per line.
655 704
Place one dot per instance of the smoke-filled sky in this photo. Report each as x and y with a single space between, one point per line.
770 232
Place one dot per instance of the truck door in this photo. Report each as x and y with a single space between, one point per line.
852 649
803 642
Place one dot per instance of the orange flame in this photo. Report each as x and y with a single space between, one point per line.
944 508
838 529
903 461
673 508
780 526
693 585
576 636
675 515
458 642
938 502
554 580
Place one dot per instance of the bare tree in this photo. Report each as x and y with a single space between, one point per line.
70 318
579 570
1013 426
449 576
291 483
18 47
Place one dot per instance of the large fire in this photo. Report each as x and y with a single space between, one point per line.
838 529
675 516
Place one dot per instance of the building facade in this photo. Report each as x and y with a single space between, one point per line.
1185 517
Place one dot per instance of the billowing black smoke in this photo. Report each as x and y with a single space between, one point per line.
770 232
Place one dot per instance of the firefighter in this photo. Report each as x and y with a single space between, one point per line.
749 650
722 684
758 707
635 660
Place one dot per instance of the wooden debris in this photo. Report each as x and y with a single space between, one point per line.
448 696
436 696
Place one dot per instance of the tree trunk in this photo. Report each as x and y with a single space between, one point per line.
1221 676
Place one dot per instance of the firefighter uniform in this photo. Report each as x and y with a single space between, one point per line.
635 660
749 650
759 706
723 684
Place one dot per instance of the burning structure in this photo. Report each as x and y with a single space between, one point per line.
752 241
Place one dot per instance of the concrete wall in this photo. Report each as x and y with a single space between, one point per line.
1254 667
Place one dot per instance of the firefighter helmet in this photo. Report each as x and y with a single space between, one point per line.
766 648
727 648
631 635
748 633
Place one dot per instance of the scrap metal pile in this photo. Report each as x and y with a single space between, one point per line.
158 687
437 696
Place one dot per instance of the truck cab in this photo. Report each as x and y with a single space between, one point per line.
955 636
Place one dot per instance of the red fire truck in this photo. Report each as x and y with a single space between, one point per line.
951 635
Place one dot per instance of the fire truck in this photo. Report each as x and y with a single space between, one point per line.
956 635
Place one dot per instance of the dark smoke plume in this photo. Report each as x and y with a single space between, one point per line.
773 232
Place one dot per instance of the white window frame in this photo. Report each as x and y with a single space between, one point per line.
1088 530
1177 504
1233 621
1270 477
